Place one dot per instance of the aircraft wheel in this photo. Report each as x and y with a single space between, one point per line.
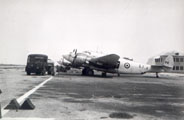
90 72
84 71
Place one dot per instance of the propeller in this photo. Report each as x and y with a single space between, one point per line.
75 55
62 60
75 51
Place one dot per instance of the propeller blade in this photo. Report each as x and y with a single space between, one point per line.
75 51
62 59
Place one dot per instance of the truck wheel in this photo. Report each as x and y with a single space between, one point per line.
43 72
28 73
37 73
53 73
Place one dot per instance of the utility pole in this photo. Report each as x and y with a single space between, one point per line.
0 112
0 106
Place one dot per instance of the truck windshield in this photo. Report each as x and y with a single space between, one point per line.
37 59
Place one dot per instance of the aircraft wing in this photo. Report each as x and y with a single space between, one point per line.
107 61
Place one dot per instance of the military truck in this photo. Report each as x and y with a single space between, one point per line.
36 63
50 67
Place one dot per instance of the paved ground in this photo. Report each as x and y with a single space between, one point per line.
14 82
76 97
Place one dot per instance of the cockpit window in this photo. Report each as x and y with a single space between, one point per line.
87 52
37 59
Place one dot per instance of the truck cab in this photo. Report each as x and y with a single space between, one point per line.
50 67
36 63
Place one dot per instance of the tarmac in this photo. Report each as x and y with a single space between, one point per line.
70 96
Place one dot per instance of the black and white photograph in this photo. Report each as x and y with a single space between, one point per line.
91 59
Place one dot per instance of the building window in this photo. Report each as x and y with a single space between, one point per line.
174 68
177 59
174 59
181 67
157 60
177 67
181 59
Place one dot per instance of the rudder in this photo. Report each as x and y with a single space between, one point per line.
169 61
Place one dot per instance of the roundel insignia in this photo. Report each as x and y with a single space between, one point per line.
127 65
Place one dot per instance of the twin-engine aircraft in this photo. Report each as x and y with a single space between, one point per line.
111 63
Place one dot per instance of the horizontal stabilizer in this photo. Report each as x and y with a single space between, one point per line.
166 66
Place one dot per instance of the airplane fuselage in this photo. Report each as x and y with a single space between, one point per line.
127 66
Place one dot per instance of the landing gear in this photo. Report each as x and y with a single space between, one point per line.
90 72
104 74
157 75
28 73
87 72
84 71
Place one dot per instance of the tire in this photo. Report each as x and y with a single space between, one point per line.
84 71
90 72
53 74
28 73
87 72
37 73
43 72
49 73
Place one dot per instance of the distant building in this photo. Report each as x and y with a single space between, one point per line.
178 62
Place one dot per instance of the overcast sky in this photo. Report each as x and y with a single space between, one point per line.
133 28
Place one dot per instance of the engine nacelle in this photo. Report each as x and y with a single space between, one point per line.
79 60
66 63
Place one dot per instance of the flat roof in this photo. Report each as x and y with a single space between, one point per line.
38 55
172 55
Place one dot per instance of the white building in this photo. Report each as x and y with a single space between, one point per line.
178 62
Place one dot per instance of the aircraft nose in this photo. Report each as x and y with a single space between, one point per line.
66 56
